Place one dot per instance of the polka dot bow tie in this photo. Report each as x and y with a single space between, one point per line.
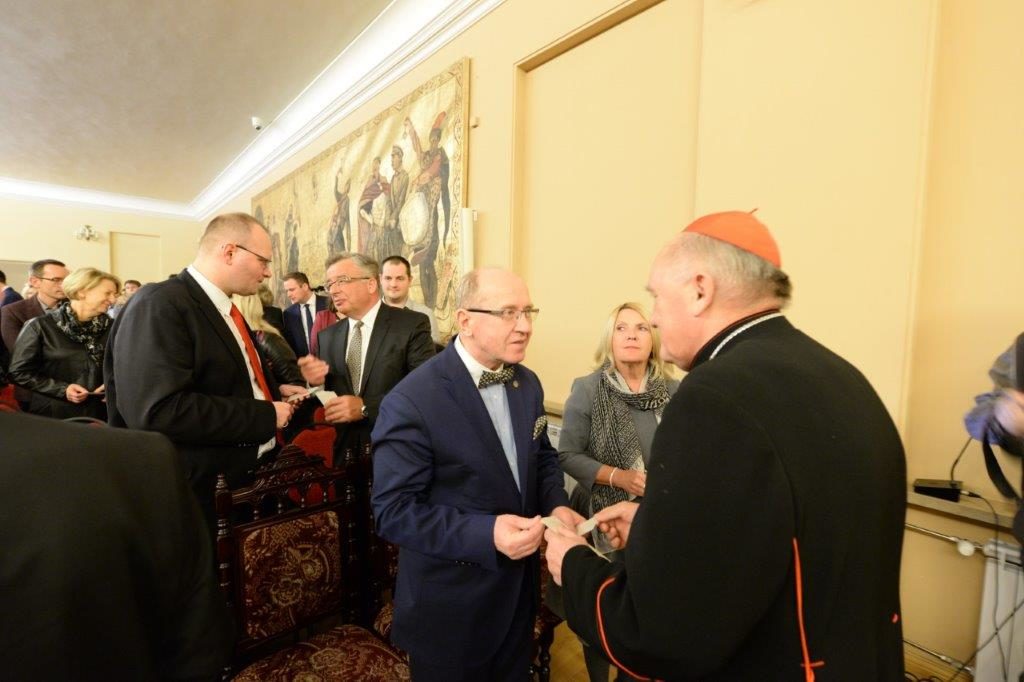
502 376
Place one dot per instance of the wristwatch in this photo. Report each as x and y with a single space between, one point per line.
363 410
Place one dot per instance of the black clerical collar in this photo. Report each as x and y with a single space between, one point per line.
719 340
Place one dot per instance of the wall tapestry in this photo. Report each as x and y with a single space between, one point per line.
392 187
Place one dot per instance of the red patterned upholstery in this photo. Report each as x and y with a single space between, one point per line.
318 439
343 654
290 571
285 567
7 401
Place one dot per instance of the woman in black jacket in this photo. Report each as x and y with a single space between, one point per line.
59 355
276 351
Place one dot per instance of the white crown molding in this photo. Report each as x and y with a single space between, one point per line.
62 195
405 34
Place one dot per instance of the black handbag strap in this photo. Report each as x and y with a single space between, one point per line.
995 472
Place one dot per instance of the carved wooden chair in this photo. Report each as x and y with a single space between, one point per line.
288 566
544 626
317 439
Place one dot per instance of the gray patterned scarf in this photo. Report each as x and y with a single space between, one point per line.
613 439
90 333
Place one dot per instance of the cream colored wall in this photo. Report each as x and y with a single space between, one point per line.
815 113
969 307
880 141
606 171
31 230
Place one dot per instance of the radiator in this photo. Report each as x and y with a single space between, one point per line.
1003 591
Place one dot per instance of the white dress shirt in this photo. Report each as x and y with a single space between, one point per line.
222 302
496 402
369 319
303 307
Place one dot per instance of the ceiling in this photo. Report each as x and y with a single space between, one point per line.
153 99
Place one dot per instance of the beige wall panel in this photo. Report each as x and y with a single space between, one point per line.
939 588
970 306
816 113
607 155
16 272
136 256
32 230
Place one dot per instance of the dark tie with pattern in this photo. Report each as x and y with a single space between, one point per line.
309 323
502 376
354 359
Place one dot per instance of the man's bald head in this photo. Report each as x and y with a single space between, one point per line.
228 228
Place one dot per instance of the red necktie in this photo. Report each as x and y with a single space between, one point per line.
254 358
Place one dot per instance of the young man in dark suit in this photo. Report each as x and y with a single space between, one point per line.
463 471
181 361
106 571
768 543
364 356
299 316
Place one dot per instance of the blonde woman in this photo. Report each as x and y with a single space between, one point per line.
609 422
276 351
59 355
612 413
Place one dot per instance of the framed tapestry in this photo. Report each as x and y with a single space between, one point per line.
392 187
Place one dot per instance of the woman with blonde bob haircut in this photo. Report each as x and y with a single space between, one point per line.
59 355
609 422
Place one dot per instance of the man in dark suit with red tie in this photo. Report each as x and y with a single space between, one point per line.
463 471
363 357
298 317
181 360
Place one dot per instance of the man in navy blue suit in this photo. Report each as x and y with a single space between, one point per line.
463 471
298 317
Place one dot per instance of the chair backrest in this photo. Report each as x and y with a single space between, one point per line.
287 548
7 400
318 439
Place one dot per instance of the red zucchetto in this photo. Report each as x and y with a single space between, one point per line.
742 230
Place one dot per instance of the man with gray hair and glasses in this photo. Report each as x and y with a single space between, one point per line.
463 472
364 356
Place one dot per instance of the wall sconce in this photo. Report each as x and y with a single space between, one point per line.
87 233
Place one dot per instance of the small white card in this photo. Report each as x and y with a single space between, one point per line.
581 529
326 396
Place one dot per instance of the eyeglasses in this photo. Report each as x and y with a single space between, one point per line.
509 315
332 284
264 261
55 280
